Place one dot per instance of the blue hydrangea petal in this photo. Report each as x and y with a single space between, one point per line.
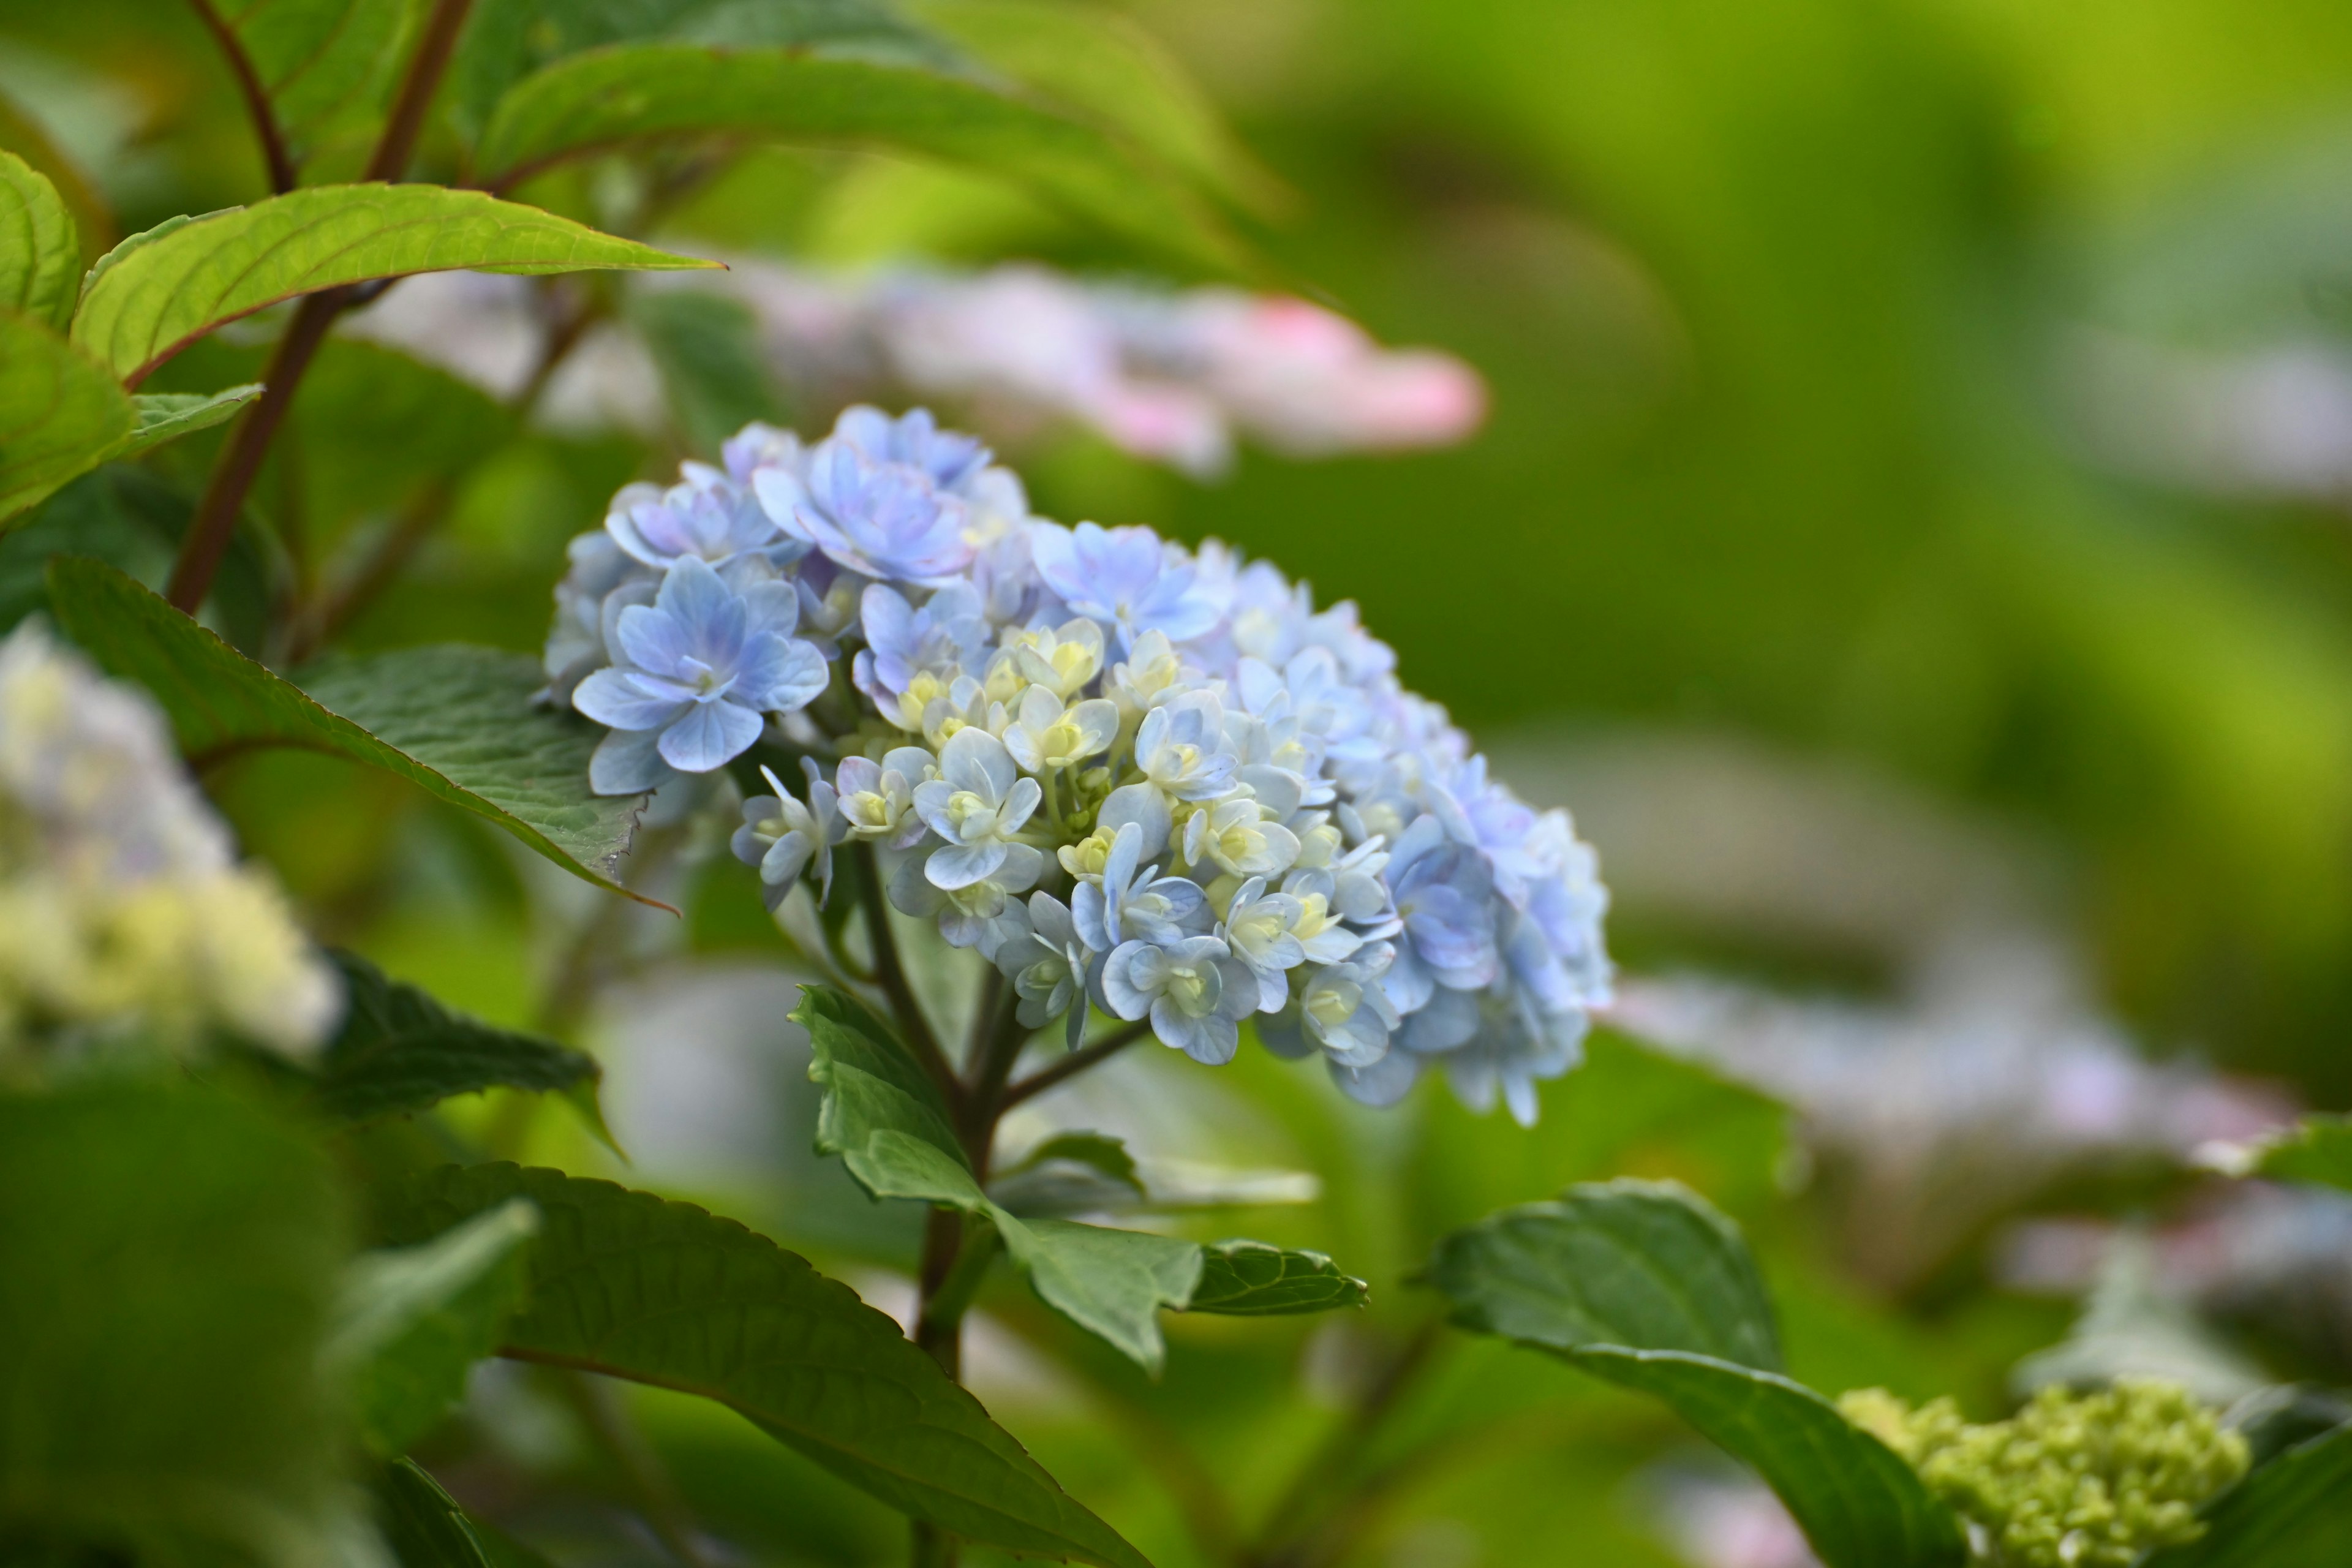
617 698
709 736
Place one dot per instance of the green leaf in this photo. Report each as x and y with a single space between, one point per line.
1109 70
400 1051
1251 1279
1111 1283
2318 1149
172 1259
423 1524
1646 1286
508 39
414 1319
318 60
168 415
887 1121
39 250
605 98
60 414
1627 1263
158 291
457 722
1858 1503
2294 1512
628 1285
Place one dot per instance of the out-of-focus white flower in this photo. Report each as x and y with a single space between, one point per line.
123 906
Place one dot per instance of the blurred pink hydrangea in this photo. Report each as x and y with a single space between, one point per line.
1175 377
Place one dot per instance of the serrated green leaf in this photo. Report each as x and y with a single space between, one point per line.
167 416
60 414
605 98
2293 1512
171 1258
1252 1278
631 1286
400 1051
423 1524
317 59
2317 1149
1858 1503
1108 69
457 722
39 250
1645 1285
887 1121
157 292
412 1321
1649 1265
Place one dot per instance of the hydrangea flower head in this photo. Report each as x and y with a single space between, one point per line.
1152 783
123 910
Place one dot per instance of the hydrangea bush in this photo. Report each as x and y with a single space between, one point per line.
1156 781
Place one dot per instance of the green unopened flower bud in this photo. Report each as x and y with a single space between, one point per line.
2072 1480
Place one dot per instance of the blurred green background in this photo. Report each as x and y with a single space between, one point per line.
1949 400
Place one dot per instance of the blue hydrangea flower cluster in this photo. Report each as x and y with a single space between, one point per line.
1156 780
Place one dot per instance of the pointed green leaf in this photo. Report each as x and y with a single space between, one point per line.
171 1261
1858 1503
605 98
1649 1265
414 1319
880 1113
158 291
60 415
400 1051
628 1285
887 1121
1111 1283
1647 1286
39 251
2316 1149
457 722
168 415
424 1525
1251 1279
2293 1511
317 59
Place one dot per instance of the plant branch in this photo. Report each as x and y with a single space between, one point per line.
214 523
658 1499
257 99
333 607
890 974
1294 1516
423 80
1077 1062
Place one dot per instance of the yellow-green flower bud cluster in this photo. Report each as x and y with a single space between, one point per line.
2072 1480
122 908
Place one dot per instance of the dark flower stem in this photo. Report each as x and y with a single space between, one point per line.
1077 1062
257 99
214 524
